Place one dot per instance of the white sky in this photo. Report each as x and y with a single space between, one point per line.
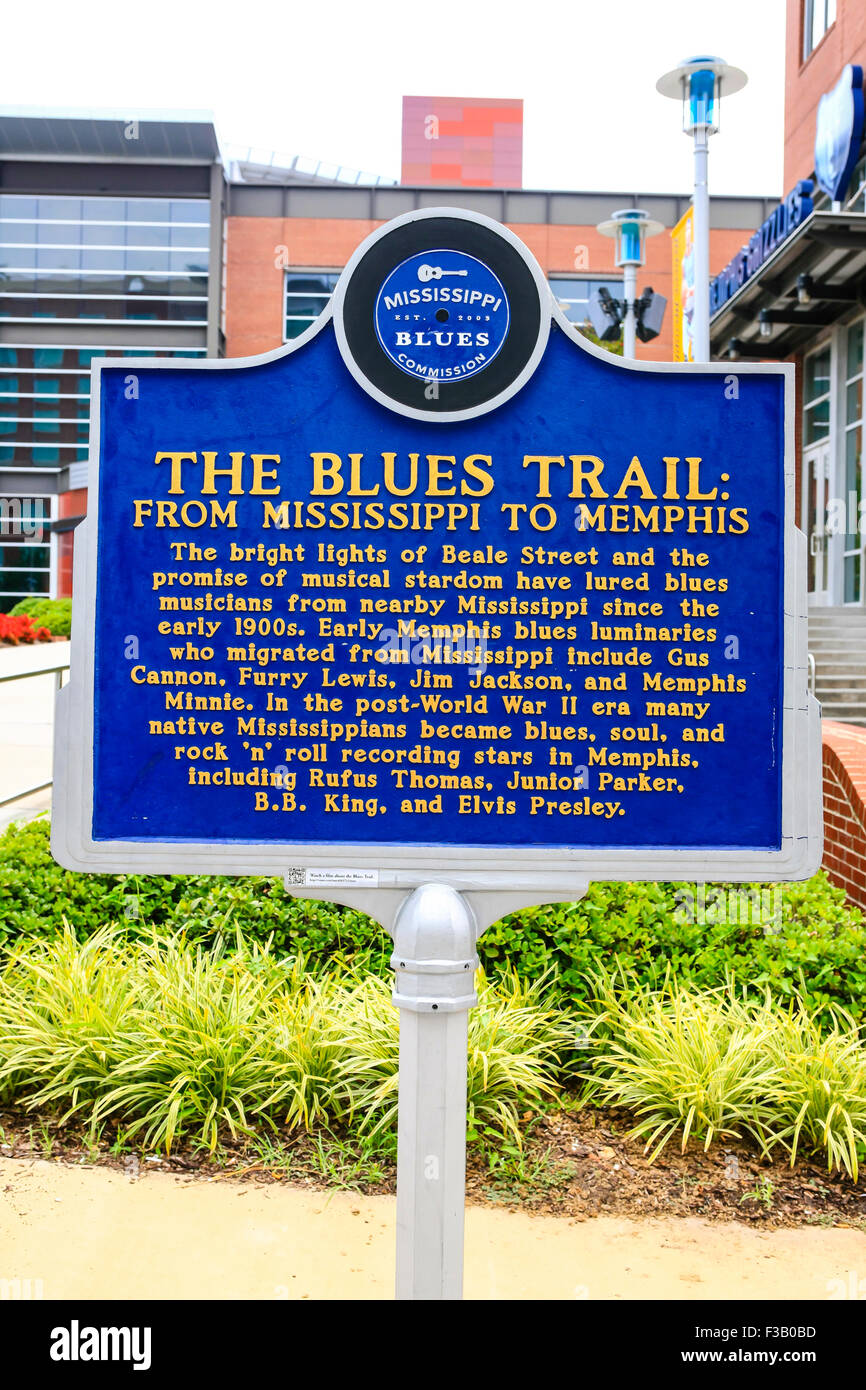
327 80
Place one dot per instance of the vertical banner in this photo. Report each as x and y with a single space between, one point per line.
682 248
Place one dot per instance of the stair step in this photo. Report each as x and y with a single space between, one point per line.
852 653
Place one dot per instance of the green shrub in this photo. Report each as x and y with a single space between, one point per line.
818 951
713 1064
170 1039
37 896
53 613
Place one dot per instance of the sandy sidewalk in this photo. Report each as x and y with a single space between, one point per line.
96 1233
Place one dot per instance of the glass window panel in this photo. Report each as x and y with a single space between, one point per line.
855 350
148 236
817 382
307 305
48 357
53 235
23 581
18 233
189 260
311 282
148 209
9 356
7 426
573 296
147 260
854 402
27 283
816 423
190 236
59 208
853 479
183 210
8 385
103 236
58 258
853 566
48 386
17 205
46 419
17 257
24 556
93 259
103 209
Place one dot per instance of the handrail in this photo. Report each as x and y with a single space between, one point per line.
811 660
57 672
40 671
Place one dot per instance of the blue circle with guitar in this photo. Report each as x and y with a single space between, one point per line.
442 316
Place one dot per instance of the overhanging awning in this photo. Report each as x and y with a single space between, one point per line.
829 248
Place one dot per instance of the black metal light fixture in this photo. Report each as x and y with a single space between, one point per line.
607 314
808 292
737 349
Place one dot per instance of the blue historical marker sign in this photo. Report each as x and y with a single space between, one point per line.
440 589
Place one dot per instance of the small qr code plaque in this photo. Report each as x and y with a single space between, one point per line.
336 878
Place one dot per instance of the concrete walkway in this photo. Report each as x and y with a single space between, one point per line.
27 725
96 1233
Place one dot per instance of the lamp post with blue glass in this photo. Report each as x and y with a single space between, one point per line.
699 83
630 227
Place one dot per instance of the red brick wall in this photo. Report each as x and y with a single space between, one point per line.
844 808
806 83
69 504
259 248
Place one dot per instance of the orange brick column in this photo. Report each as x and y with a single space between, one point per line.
845 807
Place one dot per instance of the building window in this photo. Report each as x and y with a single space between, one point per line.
307 292
818 15
25 549
857 188
816 397
48 395
574 293
853 462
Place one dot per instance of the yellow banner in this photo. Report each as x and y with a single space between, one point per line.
683 294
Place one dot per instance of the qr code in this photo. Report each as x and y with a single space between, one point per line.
296 876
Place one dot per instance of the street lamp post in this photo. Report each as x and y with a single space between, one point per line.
630 227
699 84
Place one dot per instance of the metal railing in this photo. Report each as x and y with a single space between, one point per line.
811 660
57 672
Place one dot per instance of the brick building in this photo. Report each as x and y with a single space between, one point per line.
124 238
801 297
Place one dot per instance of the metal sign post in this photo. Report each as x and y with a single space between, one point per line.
437 611
434 959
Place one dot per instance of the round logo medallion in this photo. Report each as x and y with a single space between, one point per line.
442 315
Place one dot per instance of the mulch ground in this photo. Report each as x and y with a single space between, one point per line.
574 1164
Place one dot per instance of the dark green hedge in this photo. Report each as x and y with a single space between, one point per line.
817 945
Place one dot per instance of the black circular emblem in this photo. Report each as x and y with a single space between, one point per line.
442 314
